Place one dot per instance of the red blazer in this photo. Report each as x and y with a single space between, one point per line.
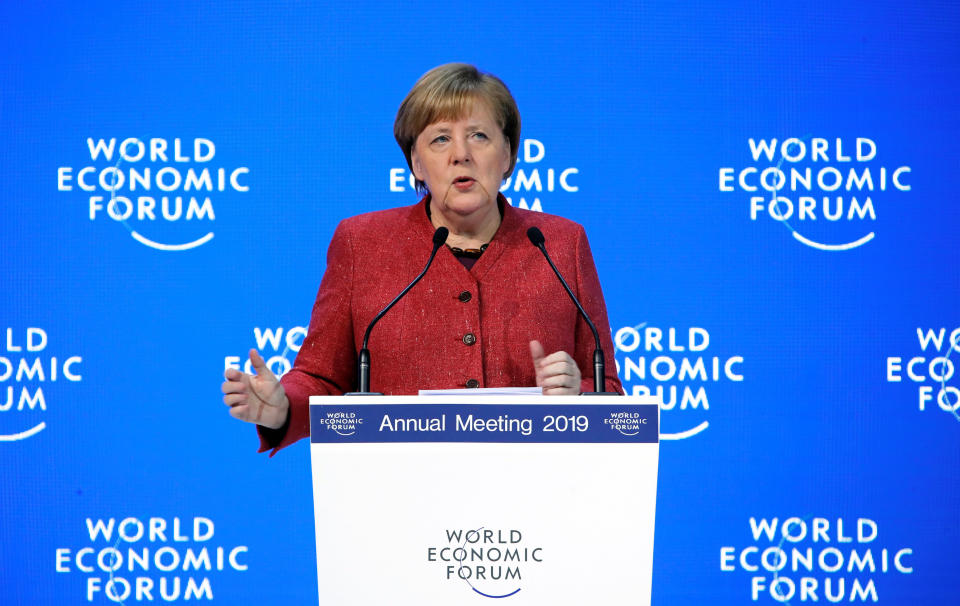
507 299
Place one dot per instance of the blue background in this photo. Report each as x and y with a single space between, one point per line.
647 100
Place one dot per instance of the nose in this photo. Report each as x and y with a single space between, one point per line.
460 151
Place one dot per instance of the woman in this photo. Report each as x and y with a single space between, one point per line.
488 309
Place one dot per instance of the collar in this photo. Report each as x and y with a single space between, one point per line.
508 218
508 234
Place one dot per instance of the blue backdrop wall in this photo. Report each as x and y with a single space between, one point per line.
770 194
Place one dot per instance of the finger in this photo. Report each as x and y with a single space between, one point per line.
557 381
233 387
259 365
557 356
561 367
232 374
241 412
235 399
536 352
560 391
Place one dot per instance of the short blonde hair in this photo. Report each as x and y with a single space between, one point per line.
446 93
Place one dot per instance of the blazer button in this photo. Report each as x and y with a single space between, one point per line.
465 296
469 339
473 384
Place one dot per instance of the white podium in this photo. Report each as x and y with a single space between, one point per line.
526 500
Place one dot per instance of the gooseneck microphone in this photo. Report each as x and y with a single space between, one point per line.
599 364
363 360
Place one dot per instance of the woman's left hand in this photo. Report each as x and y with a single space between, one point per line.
557 373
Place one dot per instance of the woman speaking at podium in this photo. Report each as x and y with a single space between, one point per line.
488 313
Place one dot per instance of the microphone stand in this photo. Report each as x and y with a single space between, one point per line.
599 364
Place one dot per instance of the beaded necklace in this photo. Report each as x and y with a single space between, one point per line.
470 253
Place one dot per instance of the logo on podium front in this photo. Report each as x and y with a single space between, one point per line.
341 423
489 562
627 423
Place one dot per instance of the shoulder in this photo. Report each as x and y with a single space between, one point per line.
403 230
554 227
378 223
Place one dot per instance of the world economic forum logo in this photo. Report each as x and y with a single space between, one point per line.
489 562
140 559
627 423
932 370
809 559
341 423
160 190
822 190
676 365
26 368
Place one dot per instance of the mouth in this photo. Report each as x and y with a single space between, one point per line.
463 183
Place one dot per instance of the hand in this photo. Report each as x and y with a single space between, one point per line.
557 373
256 398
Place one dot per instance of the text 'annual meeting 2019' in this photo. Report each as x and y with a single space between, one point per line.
469 423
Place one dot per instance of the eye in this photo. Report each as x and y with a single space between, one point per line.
440 139
480 135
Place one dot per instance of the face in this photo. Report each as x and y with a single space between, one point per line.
462 161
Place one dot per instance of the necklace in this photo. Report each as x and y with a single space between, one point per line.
470 253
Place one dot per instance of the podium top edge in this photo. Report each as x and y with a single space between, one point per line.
484 399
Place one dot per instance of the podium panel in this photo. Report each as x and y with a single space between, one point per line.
439 500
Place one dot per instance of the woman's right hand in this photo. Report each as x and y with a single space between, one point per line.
258 398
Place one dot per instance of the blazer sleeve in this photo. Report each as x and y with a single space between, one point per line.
591 297
326 363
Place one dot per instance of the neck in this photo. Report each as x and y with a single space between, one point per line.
468 231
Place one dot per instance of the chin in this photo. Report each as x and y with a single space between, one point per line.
468 203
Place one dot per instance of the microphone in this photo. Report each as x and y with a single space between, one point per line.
363 360
599 365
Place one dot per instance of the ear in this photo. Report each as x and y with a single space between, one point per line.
505 165
415 164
